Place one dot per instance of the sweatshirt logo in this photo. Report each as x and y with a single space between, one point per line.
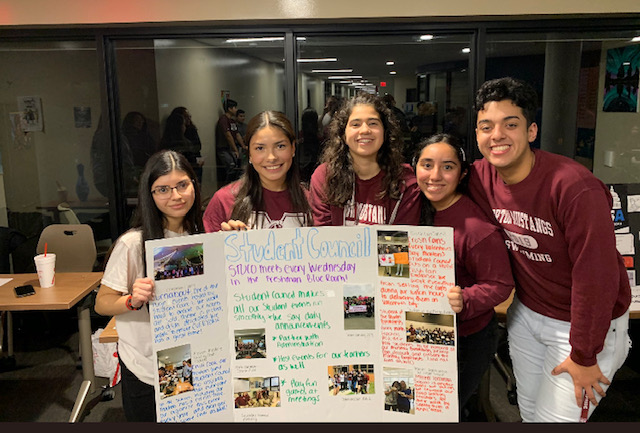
523 220
367 214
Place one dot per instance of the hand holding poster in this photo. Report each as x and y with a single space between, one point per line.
305 325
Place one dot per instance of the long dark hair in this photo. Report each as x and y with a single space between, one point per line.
340 173
147 216
427 209
249 197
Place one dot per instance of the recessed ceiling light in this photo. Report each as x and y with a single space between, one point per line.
392 73
391 63
343 77
331 71
326 59
466 50
426 37
255 39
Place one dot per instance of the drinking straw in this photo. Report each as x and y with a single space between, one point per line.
45 249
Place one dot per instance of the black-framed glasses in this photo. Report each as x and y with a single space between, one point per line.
165 191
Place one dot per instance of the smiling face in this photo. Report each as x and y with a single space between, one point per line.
439 173
364 133
503 139
271 154
176 205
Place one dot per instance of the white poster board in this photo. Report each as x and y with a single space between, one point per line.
306 323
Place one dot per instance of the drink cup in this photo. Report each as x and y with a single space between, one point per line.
46 268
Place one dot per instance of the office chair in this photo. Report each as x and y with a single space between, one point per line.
73 245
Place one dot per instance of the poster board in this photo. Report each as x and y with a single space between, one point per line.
625 214
303 325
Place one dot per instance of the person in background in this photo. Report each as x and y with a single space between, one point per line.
174 138
269 193
241 116
191 134
568 322
483 274
309 142
331 106
362 178
168 206
135 130
229 142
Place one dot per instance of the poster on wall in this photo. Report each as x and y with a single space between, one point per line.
224 96
304 325
622 79
19 136
31 109
625 213
82 117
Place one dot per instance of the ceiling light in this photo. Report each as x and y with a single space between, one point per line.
232 41
343 77
331 71
466 50
391 63
426 37
636 39
392 73
326 59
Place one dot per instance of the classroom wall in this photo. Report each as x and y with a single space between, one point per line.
33 166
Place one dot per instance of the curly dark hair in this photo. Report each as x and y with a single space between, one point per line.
521 93
340 173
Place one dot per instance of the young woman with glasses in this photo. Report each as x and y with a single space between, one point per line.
168 206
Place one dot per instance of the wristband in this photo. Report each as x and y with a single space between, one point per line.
131 307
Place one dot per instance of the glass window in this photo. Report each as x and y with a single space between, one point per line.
424 75
51 106
160 77
588 89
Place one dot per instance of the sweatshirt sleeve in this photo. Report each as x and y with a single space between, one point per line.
488 262
595 275
409 209
218 210
321 210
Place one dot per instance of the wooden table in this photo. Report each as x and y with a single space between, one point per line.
70 289
109 334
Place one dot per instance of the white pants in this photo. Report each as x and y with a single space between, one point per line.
537 344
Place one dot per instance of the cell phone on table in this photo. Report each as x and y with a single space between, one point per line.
26 290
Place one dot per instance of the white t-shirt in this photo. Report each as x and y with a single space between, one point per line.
134 327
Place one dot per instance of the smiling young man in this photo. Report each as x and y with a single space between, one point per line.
568 323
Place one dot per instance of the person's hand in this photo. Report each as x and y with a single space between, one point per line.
585 379
455 299
233 225
141 292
